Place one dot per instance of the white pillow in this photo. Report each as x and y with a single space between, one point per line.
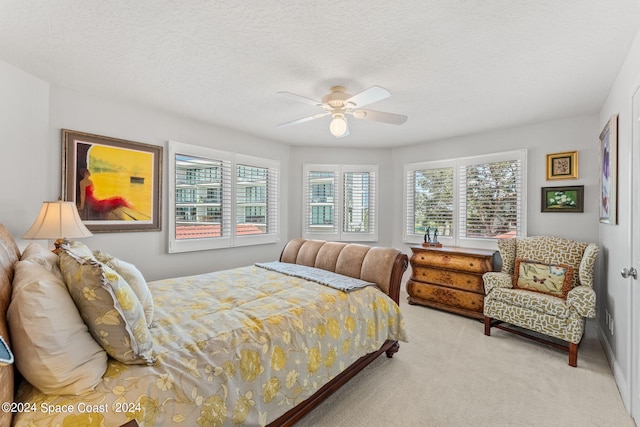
53 348
134 278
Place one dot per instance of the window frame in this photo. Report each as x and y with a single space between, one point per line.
459 164
228 200
338 233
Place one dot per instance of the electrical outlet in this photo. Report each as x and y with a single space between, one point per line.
608 320
611 326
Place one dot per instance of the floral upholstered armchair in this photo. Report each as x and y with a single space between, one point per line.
546 286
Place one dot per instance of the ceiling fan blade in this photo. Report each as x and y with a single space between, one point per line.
379 116
299 98
368 96
305 119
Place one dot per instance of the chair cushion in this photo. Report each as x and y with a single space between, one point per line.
551 279
535 301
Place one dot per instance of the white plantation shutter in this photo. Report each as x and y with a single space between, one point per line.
469 200
340 202
320 213
212 194
256 195
430 199
359 201
490 193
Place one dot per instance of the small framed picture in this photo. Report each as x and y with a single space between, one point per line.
562 165
563 199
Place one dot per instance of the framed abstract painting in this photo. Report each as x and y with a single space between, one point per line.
115 183
609 172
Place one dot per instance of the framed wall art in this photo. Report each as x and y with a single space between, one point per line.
562 165
609 172
115 183
563 199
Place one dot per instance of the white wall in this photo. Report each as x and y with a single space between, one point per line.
33 113
578 133
615 293
26 168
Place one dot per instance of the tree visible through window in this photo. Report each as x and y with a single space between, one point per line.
468 198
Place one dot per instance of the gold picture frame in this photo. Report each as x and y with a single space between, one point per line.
115 183
562 165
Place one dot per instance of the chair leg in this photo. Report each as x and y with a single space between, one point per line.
487 326
573 354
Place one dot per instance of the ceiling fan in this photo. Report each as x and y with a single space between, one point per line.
338 103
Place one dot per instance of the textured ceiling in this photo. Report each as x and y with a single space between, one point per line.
453 66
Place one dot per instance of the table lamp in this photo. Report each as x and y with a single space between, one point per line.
57 220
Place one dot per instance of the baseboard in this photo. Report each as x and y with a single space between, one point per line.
621 381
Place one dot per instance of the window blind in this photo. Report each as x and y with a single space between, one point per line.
256 200
203 190
358 202
490 199
320 210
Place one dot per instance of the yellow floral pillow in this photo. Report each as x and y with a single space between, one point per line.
551 279
109 307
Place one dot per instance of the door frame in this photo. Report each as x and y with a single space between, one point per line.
634 335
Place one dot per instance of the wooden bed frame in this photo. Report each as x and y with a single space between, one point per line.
384 266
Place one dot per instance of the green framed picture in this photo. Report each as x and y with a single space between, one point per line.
563 199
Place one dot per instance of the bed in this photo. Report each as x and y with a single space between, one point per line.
247 346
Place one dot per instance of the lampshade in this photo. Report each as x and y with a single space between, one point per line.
338 126
57 220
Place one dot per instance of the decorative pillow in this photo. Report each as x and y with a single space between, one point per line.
134 278
109 307
53 348
551 279
79 249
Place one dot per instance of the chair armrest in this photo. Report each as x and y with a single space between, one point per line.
583 300
585 271
495 280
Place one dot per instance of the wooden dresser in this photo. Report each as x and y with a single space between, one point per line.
449 278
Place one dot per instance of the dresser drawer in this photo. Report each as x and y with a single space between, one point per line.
472 263
455 279
439 296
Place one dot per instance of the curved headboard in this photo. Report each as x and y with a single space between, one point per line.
382 266
9 255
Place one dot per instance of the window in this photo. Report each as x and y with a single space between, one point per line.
470 201
340 202
220 199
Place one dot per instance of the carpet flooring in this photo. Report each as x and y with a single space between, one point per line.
451 374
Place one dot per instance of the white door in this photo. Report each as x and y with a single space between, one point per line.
635 256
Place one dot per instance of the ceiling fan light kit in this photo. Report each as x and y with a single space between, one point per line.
337 103
338 126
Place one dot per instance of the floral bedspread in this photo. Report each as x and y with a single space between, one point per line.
234 347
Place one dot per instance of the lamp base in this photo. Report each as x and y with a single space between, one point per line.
58 243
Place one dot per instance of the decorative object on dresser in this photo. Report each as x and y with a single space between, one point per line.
449 278
545 286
